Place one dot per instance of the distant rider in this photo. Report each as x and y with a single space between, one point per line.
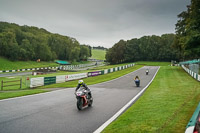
137 78
147 71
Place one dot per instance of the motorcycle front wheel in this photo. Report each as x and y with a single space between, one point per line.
80 103
91 101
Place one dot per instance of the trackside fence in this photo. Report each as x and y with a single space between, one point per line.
62 67
71 67
41 81
28 69
193 74
193 125
11 83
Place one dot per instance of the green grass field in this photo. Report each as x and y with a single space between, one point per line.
150 63
165 107
5 64
98 54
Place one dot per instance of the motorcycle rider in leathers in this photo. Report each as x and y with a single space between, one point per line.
82 84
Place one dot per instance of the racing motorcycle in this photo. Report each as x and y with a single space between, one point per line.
147 71
84 98
137 82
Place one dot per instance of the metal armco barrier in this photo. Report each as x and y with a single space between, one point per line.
194 123
28 69
194 75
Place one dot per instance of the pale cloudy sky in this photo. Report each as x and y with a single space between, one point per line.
96 22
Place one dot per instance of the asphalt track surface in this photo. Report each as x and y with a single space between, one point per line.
56 112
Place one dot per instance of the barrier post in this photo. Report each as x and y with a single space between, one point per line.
20 83
2 85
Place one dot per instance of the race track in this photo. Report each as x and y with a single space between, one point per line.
56 112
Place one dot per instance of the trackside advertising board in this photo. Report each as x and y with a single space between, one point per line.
96 73
37 82
40 81
60 79
75 76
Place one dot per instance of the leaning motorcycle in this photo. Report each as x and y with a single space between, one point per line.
84 98
137 82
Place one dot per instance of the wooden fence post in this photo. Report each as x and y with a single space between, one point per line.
20 83
2 85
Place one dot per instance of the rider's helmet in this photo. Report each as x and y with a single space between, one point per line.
80 82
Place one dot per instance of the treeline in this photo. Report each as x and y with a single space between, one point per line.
31 43
100 47
184 45
187 39
147 48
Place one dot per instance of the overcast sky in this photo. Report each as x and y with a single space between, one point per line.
96 22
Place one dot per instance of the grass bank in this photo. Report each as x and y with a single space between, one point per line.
14 65
165 107
150 63
98 54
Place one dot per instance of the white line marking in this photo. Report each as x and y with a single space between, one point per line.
124 108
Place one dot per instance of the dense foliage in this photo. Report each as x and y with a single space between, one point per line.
187 39
31 43
100 47
147 48
184 45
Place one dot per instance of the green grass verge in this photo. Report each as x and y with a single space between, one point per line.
98 54
14 65
165 107
150 63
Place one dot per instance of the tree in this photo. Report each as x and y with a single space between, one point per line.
8 45
116 53
109 56
187 39
132 52
84 52
26 51
30 43
149 48
74 54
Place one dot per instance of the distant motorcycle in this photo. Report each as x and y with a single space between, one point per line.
84 98
147 71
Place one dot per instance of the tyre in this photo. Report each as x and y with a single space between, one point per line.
91 101
80 104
